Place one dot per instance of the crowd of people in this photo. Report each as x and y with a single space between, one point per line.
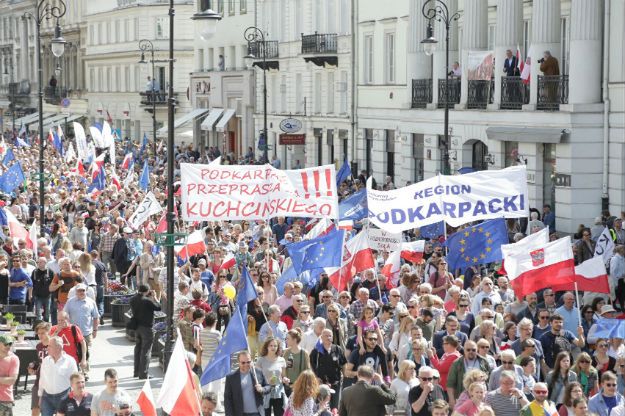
430 341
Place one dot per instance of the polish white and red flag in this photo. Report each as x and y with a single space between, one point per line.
178 395
590 276
145 400
128 161
97 165
195 245
525 68
529 243
229 261
413 251
391 267
548 265
321 228
18 231
357 257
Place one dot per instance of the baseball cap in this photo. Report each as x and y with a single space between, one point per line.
607 309
81 286
6 339
325 391
127 230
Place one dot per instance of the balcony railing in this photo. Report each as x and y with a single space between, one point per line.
156 97
258 48
553 90
421 92
480 93
454 92
319 43
19 89
54 95
514 93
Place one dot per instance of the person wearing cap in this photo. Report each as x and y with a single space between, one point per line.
83 312
607 311
9 369
54 376
206 275
78 401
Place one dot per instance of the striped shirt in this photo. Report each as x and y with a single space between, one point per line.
502 404
209 338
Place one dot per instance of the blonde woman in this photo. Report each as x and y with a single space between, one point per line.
87 269
477 393
401 385
470 377
401 335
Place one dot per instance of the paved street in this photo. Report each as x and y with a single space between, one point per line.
110 349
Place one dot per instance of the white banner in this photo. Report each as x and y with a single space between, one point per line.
214 192
149 206
81 142
384 241
480 65
604 246
454 199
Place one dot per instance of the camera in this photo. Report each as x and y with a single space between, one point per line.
541 60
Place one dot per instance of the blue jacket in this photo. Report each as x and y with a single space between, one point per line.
597 405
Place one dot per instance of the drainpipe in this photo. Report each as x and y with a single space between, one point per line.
354 30
605 201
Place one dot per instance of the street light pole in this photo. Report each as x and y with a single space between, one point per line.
255 35
146 46
437 10
45 9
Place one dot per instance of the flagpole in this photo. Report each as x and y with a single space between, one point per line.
579 312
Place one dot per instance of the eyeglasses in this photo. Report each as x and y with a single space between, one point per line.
542 318
610 384
372 339
541 392
403 316
463 306
548 294
589 312
299 301
507 362
488 317
327 297
602 345
470 349
344 297
395 296
245 362
426 378
584 362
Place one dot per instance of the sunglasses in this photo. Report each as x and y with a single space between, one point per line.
427 378
489 317
602 345
507 362
540 392
245 362
395 296
372 339
471 349
463 306
610 384
344 297
544 317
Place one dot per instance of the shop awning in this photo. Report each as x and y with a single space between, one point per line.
29 119
526 134
221 125
211 118
50 122
72 117
196 112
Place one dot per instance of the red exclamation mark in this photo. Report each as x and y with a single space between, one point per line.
329 181
305 183
316 179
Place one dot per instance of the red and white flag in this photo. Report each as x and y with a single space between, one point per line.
413 251
590 276
195 245
357 256
97 164
178 395
529 243
145 400
229 261
526 67
538 268
321 228
79 169
127 161
273 265
519 63
392 265
18 231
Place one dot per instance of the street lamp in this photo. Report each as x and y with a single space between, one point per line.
437 10
45 9
146 46
256 36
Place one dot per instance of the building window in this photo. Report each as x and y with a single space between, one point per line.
390 152
342 89
368 57
389 57
369 151
317 87
204 5
491 37
220 7
511 158
299 100
564 45
243 6
92 79
231 7
418 147
127 78
162 27
330 92
527 37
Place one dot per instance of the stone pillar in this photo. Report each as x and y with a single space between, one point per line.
418 64
438 59
586 51
508 35
22 73
474 37
545 37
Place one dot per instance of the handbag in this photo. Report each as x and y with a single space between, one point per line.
288 411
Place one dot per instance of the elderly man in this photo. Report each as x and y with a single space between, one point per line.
507 357
364 398
459 368
504 290
359 304
423 395
285 301
394 299
83 312
291 314
54 376
541 405
327 362
244 389
507 400
273 327
310 337
487 292
526 329
530 311
569 312
327 299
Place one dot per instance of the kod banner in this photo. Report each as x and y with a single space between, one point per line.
215 192
454 199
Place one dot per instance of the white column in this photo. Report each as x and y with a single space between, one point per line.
585 68
508 34
545 37
438 59
474 37
22 73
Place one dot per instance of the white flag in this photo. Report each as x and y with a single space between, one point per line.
70 154
81 141
149 206
605 246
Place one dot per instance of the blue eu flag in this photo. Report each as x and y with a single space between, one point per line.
12 178
343 173
308 278
324 251
478 244
246 291
144 179
433 230
610 328
9 156
234 340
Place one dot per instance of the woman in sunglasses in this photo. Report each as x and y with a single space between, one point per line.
587 375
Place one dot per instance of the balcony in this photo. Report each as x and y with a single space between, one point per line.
454 92
156 98
20 92
553 90
421 92
514 93
322 47
54 95
480 94
269 49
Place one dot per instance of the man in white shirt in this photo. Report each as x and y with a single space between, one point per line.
79 233
310 337
54 376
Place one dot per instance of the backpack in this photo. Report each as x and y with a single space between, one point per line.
78 344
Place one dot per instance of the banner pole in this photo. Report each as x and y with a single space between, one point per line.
579 312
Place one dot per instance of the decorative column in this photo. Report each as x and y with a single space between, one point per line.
586 51
438 58
23 71
545 37
418 64
508 35
474 37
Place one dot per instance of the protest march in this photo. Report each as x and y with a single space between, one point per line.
301 292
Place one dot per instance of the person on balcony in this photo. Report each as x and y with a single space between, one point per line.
52 85
455 72
510 65
549 65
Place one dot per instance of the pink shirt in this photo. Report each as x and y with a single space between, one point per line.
284 303
9 366
467 408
